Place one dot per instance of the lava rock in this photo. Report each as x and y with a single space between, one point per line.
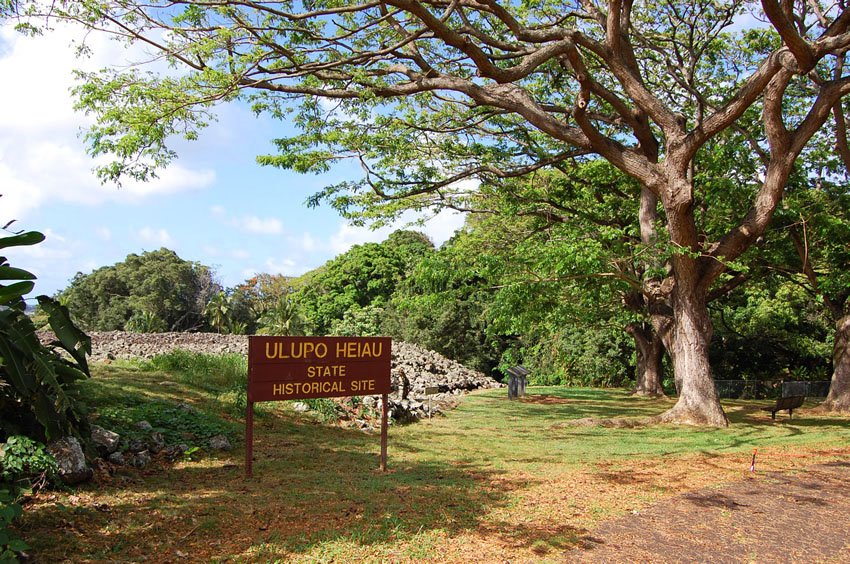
219 442
156 442
300 407
68 453
106 441
141 459
136 445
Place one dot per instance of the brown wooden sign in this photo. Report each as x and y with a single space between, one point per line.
285 368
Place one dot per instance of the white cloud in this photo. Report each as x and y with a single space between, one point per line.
305 243
104 233
50 261
53 247
41 157
279 266
264 226
240 254
155 236
308 243
286 266
443 226
439 228
172 180
249 223
349 235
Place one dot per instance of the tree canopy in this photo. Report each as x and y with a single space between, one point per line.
158 284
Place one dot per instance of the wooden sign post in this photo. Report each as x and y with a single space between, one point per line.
288 368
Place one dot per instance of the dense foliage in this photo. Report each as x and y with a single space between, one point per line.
155 290
366 276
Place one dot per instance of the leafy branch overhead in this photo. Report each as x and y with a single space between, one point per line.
450 90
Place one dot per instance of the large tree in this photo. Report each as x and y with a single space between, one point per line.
431 92
156 283
564 250
817 256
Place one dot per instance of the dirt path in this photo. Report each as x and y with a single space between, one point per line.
770 517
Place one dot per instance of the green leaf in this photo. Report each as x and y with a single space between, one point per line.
15 291
72 339
18 545
22 240
15 368
10 273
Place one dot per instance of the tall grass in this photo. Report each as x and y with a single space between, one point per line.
212 373
223 375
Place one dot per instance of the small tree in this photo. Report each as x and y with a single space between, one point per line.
283 319
217 312
159 282
817 257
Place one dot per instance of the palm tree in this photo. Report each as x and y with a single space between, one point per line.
282 319
217 312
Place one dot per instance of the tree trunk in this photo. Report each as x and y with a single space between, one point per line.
649 351
687 343
839 389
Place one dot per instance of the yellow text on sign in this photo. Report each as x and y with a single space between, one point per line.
325 387
326 371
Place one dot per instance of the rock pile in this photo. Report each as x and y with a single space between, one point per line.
74 468
425 369
421 367
120 345
414 369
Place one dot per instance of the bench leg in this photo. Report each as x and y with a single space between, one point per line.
773 415
790 414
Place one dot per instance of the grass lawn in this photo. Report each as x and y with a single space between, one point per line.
492 480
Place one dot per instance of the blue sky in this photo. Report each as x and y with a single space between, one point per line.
214 205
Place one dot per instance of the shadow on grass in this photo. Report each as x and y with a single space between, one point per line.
316 492
317 495
540 539
558 404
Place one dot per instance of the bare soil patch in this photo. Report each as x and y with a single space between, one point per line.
799 516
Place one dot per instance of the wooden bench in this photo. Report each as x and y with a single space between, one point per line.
790 403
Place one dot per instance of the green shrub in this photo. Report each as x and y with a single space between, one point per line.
325 409
10 543
35 399
24 465
145 322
